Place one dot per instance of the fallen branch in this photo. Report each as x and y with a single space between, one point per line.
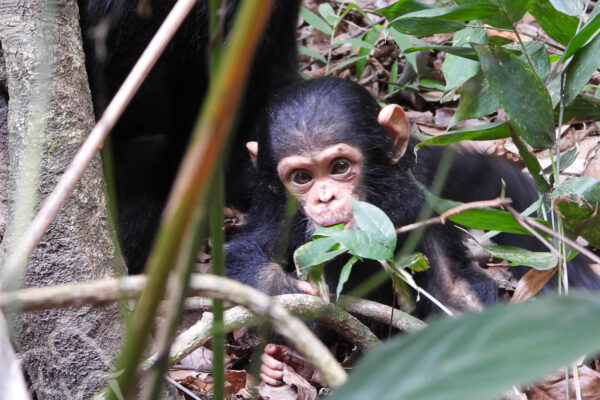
111 290
302 305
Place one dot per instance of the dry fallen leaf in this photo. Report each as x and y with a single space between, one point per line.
553 388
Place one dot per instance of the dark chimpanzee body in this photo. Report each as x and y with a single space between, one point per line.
149 140
334 114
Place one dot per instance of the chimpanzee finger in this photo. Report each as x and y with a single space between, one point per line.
270 381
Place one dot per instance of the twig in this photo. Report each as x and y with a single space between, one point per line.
571 243
441 219
88 150
181 387
380 312
525 223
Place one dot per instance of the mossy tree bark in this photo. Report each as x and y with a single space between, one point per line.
67 353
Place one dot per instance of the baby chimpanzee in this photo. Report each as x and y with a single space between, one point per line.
327 141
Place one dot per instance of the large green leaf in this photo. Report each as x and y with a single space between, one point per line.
514 9
402 7
568 7
583 108
478 356
492 131
521 93
476 99
577 201
457 70
539 260
488 219
459 13
426 26
370 37
406 43
315 21
581 68
589 30
498 20
557 25
375 222
539 55
315 253
363 244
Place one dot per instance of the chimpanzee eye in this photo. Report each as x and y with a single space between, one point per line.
301 177
340 167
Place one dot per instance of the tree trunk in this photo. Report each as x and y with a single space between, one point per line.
67 353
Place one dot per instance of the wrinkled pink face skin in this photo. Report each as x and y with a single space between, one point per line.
324 181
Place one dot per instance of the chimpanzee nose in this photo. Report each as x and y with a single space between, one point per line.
325 194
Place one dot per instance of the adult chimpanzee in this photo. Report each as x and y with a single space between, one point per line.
149 140
326 141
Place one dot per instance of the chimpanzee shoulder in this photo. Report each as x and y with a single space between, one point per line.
149 140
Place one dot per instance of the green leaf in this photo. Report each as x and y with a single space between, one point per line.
569 7
393 79
558 26
363 244
460 13
355 43
457 70
492 131
402 7
589 30
583 108
344 275
438 20
315 253
498 20
431 84
323 231
478 356
582 219
521 93
514 9
406 43
315 21
488 219
418 262
426 26
370 37
577 201
311 53
328 14
541 261
374 221
539 55
476 99
347 62
566 160
581 68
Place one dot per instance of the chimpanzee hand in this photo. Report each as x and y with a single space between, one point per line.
276 356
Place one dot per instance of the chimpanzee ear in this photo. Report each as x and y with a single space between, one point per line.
395 121
253 152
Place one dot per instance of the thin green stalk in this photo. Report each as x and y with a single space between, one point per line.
215 213
210 135
332 36
218 266
527 56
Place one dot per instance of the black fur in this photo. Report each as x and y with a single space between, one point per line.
325 111
149 140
